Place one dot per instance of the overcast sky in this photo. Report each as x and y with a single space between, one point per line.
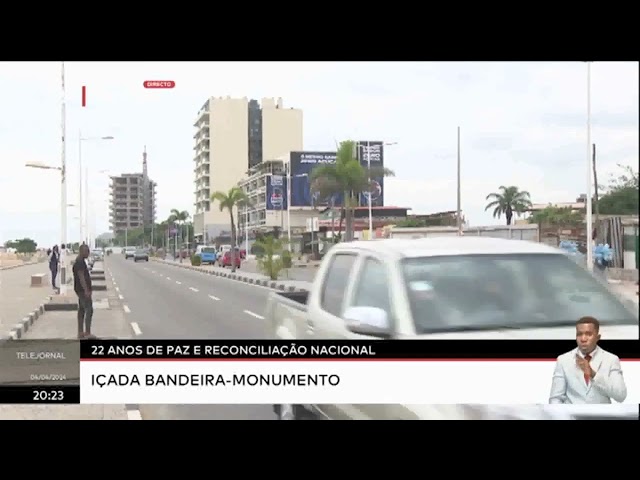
522 124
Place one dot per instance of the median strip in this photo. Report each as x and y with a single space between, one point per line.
250 279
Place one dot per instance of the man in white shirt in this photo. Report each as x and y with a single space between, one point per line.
587 374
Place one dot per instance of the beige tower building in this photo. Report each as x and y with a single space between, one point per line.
233 135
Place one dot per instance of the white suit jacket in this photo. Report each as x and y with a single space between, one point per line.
569 386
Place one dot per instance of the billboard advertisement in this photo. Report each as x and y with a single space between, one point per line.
276 192
302 163
372 152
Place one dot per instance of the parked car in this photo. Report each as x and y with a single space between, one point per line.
206 254
226 259
444 288
141 255
129 252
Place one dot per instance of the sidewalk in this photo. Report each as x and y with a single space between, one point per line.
242 276
18 299
108 322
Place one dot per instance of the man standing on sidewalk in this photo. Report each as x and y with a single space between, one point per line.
82 287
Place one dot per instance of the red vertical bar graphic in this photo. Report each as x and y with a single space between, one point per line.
84 96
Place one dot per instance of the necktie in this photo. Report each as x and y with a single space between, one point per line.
586 376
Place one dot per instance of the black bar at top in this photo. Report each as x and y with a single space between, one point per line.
38 394
346 349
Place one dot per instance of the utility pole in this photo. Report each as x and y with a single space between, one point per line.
459 206
589 182
596 198
63 192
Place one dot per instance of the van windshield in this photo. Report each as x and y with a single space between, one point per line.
481 292
208 250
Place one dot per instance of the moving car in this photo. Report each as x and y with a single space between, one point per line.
141 255
129 252
207 254
445 288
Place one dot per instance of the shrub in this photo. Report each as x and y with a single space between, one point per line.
268 263
286 259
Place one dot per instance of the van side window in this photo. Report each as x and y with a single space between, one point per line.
336 282
373 286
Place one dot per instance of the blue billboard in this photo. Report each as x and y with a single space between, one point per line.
372 153
276 192
302 163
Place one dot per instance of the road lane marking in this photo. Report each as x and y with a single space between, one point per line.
153 271
193 289
168 278
178 283
249 312
117 289
126 309
136 328
212 297
121 297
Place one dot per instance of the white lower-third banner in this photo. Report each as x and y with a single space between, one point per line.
339 382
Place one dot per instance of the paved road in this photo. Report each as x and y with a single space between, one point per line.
163 301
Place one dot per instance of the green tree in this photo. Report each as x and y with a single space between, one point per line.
23 245
231 200
621 196
557 217
347 176
508 201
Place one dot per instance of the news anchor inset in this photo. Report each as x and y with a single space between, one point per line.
587 374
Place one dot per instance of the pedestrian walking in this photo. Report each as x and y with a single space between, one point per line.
82 287
54 264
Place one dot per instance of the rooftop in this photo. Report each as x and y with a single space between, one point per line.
442 246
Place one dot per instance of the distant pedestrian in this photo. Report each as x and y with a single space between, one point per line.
54 264
82 287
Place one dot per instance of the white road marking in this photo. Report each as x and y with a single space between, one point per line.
249 312
136 328
121 297
134 415
193 289
168 278
153 271
213 297
126 309
178 283
117 289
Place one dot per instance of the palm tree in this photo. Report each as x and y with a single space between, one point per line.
234 198
179 217
347 177
510 200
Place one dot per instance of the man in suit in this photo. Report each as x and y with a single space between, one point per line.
587 374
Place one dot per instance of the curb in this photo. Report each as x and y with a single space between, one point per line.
23 326
20 265
274 285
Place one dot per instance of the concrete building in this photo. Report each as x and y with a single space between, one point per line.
133 200
266 186
232 136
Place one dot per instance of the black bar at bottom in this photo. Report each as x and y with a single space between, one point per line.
44 394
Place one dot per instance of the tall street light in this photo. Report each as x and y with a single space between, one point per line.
63 188
83 212
388 144
589 178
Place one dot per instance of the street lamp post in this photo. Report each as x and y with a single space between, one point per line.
63 189
589 178
84 222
